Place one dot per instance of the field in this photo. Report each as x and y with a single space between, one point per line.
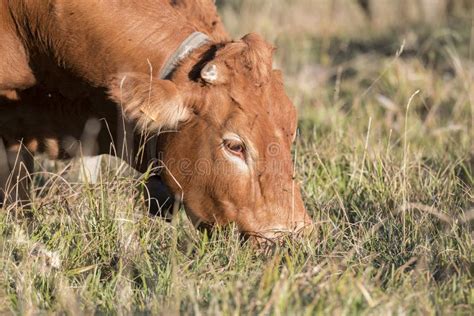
385 155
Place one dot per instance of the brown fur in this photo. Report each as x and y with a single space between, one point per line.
81 52
203 14
14 70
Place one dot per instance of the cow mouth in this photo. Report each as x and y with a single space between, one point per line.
279 235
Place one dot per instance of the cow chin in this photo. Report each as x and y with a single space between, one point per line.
197 221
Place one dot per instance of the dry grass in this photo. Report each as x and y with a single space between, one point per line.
386 158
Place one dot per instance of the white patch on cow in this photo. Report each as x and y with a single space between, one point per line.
90 169
237 161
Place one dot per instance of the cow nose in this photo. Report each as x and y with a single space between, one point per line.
299 229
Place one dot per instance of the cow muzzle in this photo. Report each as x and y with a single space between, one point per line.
279 234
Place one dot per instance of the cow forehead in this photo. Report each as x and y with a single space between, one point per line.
262 117
266 105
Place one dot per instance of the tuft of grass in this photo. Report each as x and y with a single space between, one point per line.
385 156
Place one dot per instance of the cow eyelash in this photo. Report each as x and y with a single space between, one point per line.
236 147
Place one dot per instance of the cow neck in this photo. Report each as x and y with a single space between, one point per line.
189 45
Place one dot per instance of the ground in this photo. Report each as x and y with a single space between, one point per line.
385 156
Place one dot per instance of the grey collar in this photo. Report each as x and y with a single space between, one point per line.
192 42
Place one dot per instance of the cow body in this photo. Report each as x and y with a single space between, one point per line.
46 106
67 62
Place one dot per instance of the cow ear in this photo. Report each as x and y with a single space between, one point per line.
153 103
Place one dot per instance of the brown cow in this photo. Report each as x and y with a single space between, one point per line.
229 124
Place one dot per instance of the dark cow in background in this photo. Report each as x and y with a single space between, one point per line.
147 67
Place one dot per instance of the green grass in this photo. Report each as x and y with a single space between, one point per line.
385 155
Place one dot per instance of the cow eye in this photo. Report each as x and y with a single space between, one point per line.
235 147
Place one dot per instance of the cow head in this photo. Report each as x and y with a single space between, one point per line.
230 156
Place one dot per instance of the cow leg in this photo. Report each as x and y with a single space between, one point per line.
16 163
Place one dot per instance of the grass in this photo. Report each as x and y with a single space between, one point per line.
386 160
